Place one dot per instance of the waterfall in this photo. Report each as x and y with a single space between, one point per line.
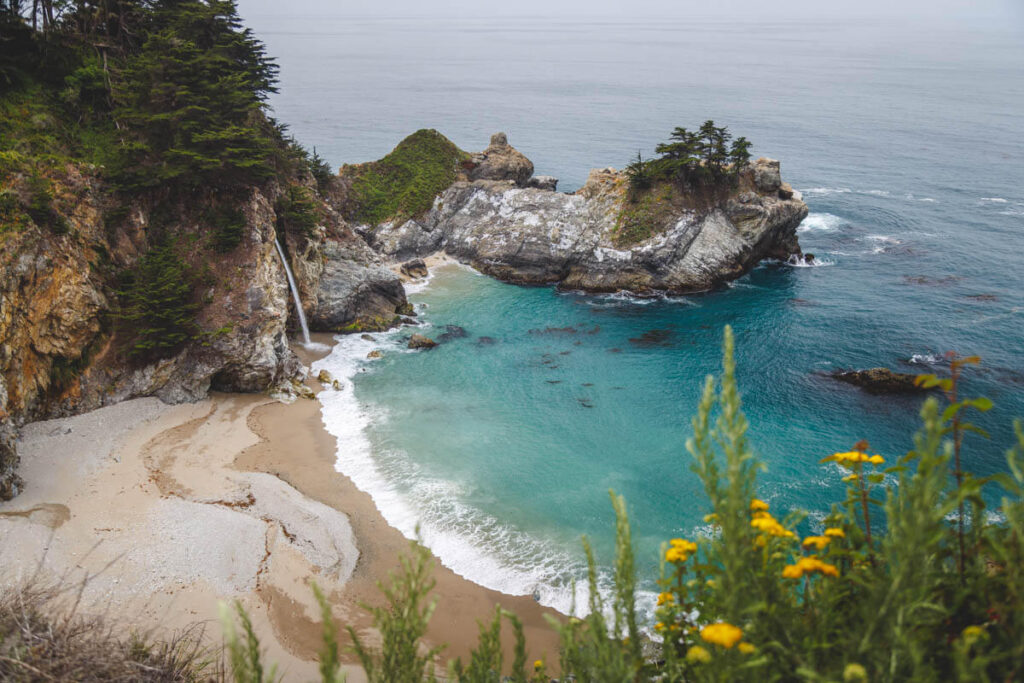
295 293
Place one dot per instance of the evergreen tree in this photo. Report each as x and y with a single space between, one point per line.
157 310
192 100
739 155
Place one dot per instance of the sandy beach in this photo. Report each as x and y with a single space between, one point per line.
162 511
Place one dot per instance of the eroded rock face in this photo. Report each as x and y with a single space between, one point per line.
534 236
355 292
501 161
10 482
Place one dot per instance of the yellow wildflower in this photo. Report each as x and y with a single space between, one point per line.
819 542
876 460
684 545
676 555
770 526
835 532
808 565
758 505
664 598
538 665
746 648
972 634
854 672
722 634
760 514
698 655
659 626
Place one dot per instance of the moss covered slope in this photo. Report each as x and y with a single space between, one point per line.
403 184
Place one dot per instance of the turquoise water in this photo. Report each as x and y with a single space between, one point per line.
907 144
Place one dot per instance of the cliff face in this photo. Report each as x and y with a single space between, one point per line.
537 236
63 348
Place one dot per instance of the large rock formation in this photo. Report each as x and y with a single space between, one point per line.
501 161
63 349
534 236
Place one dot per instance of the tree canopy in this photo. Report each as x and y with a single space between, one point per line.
701 156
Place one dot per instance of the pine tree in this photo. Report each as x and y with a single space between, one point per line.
192 100
739 155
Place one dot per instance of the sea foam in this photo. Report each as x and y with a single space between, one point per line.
820 221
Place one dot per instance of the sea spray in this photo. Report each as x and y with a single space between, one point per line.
295 293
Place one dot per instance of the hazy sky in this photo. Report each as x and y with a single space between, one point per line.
1009 13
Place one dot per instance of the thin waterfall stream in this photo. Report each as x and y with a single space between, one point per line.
295 292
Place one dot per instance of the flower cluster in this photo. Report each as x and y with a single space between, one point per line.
854 457
680 550
765 523
808 565
722 634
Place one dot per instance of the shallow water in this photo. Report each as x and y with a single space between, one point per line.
907 147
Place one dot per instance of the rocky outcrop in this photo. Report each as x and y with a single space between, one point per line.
418 341
354 291
543 182
10 482
534 236
881 381
501 161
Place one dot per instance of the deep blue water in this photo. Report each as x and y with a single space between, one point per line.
907 144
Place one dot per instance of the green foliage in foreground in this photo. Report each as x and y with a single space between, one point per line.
405 182
923 599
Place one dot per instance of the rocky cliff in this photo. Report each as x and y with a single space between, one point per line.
602 237
65 348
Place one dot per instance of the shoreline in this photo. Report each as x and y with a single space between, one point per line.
164 510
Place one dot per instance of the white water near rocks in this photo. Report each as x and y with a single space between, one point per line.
295 293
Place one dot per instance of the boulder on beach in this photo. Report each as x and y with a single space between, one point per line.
415 268
880 381
418 341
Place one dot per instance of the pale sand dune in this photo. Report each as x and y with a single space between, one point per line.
171 508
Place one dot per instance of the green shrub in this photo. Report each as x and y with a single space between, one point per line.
404 183
227 224
298 211
157 312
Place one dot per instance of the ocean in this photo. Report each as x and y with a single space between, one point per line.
500 446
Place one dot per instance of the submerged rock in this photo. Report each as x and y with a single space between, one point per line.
881 381
375 354
418 341
452 332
